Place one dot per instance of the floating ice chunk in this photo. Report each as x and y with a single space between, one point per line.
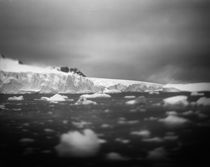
203 101
170 137
197 94
2 106
124 141
153 139
81 124
130 97
26 140
16 98
65 121
173 120
49 130
157 154
176 101
151 118
55 98
189 112
102 141
171 113
142 133
128 122
76 144
138 100
84 101
95 95
115 156
106 126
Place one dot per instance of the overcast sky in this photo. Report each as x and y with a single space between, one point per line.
151 40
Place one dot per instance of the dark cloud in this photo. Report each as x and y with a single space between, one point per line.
159 41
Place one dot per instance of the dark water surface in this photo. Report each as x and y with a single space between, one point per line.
30 130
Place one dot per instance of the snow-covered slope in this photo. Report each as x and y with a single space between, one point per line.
190 87
126 85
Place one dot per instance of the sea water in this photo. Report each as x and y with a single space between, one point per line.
138 134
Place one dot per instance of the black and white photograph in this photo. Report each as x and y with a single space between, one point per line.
91 83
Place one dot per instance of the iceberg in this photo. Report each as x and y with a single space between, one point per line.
173 120
55 98
95 95
203 101
16 98
18 78
76 144
138 100
84 101
176 101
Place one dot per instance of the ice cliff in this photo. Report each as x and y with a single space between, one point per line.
18 78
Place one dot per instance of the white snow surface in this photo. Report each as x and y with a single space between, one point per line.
16 98
11 65
55 98
21 78
76 144
190 87
110 82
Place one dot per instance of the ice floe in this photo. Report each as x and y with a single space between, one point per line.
124 141
173 120
142 133
49 130
16 98
121 121
2 106
106 126
171 113
204 101
187 113
26 140
138 100
76 144
170 137
153 139
157 154
129 97
81 124
84 101
95 95
176 101
115 156
55 98
197 94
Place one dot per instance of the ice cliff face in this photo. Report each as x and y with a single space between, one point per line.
26 82
19 78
